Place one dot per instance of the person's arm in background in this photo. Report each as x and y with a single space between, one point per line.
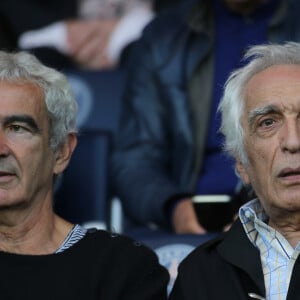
141 163
184 219
90 41
97 43
67 33
140 171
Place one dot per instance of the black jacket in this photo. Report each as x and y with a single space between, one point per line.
228 267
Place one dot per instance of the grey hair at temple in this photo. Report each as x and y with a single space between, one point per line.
61 105
232 103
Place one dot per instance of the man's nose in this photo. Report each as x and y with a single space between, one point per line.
4 148
290 136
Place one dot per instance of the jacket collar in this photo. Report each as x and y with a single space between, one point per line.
237 249
200 17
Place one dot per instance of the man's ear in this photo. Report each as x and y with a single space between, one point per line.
63 155
242 172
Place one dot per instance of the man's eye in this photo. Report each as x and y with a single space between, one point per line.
17 128
267 123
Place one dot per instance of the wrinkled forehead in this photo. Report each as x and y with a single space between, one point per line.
21 96
276 86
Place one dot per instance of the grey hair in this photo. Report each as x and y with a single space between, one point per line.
232 103
61 105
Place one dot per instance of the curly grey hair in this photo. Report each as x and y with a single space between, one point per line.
59 99
232 103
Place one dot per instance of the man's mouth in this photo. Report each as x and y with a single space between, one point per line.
6 176
289 172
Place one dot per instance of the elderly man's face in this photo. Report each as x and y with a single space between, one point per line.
27 163
271 122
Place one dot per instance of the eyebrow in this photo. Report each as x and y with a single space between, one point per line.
261 111
26 119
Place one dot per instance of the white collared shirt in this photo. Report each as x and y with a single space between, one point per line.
277 255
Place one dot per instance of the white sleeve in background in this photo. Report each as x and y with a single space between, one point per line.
128 29
53 35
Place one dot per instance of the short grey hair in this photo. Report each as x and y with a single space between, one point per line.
232 103
61 105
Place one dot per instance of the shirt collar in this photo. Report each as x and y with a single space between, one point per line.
254 220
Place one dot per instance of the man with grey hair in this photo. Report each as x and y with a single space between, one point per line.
43 256
258 257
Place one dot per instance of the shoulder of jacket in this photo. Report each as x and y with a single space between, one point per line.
114 242
169 24
203 251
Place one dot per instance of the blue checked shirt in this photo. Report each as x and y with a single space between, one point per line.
277 255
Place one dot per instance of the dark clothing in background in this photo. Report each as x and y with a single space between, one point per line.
166 109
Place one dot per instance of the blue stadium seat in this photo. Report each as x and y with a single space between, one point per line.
82 196
82 193
99 95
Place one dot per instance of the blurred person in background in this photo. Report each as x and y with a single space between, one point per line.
168 148
89 34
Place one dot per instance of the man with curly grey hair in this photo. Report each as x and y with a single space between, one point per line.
43 256
258 258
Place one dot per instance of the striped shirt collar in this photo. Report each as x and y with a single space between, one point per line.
277 255
74 236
